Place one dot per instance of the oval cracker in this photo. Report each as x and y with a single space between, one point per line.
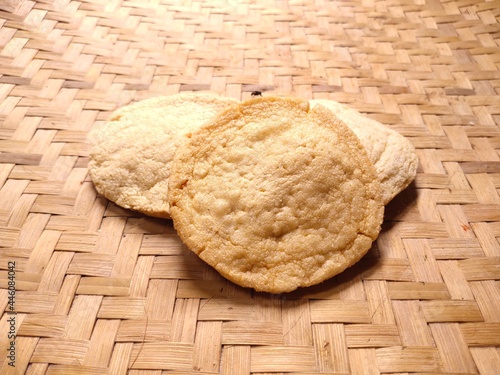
275 195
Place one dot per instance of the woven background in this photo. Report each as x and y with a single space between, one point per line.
100 289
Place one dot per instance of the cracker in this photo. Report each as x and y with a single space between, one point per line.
392 154
275 195
131 154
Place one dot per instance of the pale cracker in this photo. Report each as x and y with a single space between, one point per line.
392 154
131 154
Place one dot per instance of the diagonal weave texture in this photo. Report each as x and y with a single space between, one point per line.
102 290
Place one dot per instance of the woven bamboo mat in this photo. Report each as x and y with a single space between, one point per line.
102 290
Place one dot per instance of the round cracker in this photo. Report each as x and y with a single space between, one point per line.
392 154
275 196
131 154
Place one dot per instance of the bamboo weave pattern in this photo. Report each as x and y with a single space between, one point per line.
103 290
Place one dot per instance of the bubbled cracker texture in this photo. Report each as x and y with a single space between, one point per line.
392 154
275 195
131 154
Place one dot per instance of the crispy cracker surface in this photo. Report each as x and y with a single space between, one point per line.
392 154
275 195
131 154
